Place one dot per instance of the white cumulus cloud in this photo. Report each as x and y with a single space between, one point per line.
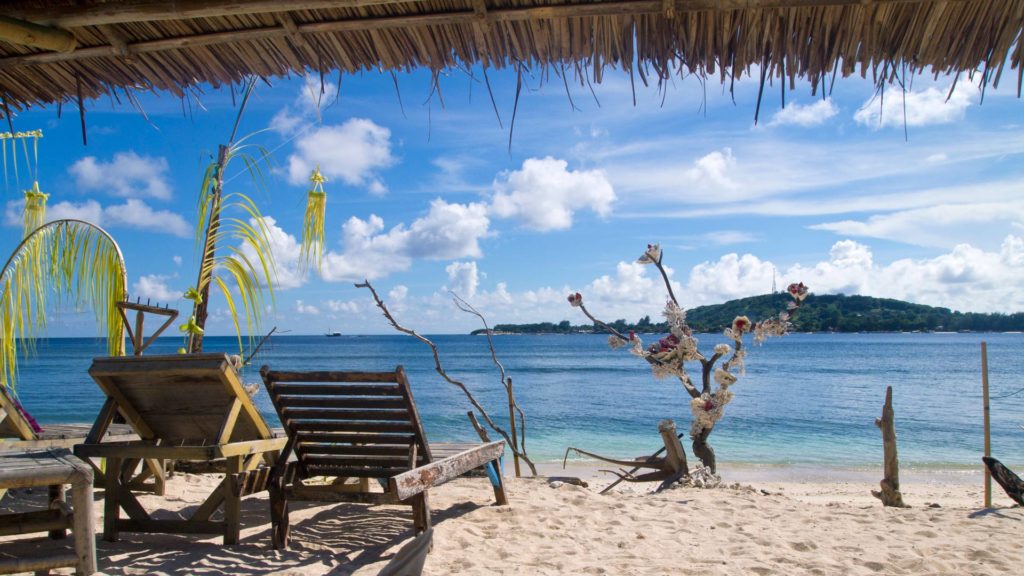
447 231
545 195
805 115
306 309
127 175
133 213
463 278
352 152
154 286
923 108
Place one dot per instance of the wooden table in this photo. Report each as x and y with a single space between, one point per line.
52 468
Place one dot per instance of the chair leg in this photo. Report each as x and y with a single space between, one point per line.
420 513
111 499
279 527
232 503
493 469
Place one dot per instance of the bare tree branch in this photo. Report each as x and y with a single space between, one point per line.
440 370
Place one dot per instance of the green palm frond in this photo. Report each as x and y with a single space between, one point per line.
79 261
235 250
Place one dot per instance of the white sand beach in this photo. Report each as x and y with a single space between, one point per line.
764 522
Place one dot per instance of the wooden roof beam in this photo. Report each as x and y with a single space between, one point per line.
34 35
157 10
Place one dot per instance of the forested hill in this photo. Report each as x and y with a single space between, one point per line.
823 313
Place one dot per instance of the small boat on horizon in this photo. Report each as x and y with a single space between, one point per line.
330 334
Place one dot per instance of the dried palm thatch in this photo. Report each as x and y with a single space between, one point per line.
60 50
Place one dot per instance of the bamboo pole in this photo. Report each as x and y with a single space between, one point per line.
512 426
988 439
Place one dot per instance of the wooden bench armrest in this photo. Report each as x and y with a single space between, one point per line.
415 481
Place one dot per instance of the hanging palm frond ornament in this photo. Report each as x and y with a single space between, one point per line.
313 223
77 260
14 138
35 208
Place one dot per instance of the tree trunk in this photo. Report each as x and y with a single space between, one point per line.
703 450
209 250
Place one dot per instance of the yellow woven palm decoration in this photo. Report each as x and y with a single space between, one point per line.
313 223
35 208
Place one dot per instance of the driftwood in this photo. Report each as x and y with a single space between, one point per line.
890 484
667 470
1010 482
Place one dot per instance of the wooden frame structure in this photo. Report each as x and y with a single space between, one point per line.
183 407
362 426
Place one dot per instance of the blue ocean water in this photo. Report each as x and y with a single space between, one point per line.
806 399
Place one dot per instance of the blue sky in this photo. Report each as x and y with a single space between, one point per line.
425 198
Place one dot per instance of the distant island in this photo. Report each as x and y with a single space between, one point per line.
825 313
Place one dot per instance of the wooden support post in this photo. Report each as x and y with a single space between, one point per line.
111 499
512 426
32 34
82 518
988 439
58 501
232 503
890 484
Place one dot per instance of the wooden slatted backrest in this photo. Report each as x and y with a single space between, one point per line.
180 398
12 422
354 424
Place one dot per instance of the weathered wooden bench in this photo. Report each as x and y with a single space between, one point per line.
53 469
361 426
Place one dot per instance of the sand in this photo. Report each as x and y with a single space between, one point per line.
765 521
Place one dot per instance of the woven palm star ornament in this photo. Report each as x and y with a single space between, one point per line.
313 223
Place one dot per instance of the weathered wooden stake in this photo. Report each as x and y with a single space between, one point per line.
890 484
988 439
512 426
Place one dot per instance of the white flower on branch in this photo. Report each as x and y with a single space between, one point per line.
651 256
614 342
724 378
722 349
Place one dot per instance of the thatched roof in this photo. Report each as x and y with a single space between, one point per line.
95 47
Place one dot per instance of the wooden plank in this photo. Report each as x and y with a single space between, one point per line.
329 493
228 426
345 415
330 426
335 389
365 438
348 449
353 472
417 480
38 564
171 526
287 401
414 415
331 376
35 521
338 461
142 450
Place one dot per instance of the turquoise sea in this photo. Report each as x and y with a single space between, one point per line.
806 399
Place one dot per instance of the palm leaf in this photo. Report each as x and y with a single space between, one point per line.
77 260
312 247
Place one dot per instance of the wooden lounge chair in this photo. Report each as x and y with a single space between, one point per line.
361 425
187 407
